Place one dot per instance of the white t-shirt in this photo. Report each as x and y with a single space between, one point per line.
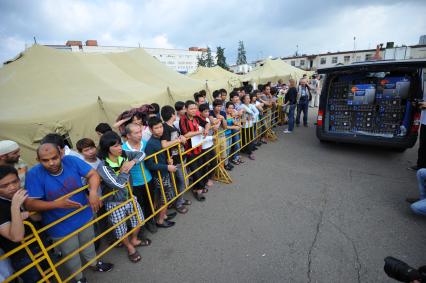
256 112
146 133
69 151
423 118
94 165
176 123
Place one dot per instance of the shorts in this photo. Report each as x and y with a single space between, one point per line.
168 190
121 213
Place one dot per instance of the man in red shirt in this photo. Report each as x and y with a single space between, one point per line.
190 125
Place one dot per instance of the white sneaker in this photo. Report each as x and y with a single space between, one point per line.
287 132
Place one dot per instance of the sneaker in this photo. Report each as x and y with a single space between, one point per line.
227 167
82 280
287 132
412 200
102 266
151 227
413 168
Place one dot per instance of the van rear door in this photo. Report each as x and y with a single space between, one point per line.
372 102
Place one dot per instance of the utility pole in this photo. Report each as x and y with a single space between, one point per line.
353 54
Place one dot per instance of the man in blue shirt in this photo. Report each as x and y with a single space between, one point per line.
49 184
141 180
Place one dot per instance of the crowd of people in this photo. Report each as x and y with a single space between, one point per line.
152 153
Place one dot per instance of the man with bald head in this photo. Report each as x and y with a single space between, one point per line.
48 183
303 102
140 184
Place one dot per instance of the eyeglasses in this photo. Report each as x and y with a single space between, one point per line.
14 182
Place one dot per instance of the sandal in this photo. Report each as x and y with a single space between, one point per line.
135 257
235 162
187 202
144 243
199 196
182 209
205 190
241 161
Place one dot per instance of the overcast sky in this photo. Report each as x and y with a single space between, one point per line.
268 28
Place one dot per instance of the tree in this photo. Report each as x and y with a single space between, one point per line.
209 59
201 59
220 58
241 57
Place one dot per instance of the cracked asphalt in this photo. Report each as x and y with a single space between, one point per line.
302 212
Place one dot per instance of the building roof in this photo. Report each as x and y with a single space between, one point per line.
345 52
375 63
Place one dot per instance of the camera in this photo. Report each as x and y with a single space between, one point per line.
402 272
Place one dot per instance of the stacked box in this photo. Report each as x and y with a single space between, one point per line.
340 90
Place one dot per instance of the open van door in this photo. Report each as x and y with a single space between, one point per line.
372 103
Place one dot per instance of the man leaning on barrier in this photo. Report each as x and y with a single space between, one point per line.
12 229
172 137
49 186
160 168
189 127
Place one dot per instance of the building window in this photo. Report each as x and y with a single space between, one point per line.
334 60
323 60
346 59
293 63
358 58
302 62
368 57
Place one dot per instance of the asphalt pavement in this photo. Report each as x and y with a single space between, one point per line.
302 212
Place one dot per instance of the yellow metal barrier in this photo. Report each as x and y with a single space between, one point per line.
250 135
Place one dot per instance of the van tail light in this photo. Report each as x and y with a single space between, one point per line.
320 117
416 123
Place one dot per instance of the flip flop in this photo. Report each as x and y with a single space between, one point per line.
199 196
135 257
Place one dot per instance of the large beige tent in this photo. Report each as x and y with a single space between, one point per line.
143 67
47 90
217 76
272 71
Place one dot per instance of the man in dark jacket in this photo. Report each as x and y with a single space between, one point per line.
160 168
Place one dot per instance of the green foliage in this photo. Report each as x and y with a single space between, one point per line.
220 58
209 59
241 57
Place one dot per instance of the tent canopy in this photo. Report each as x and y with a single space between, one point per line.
217 75
272 71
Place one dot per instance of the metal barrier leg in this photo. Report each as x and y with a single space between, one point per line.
220 174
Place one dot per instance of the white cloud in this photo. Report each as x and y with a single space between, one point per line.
267 27
159 41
